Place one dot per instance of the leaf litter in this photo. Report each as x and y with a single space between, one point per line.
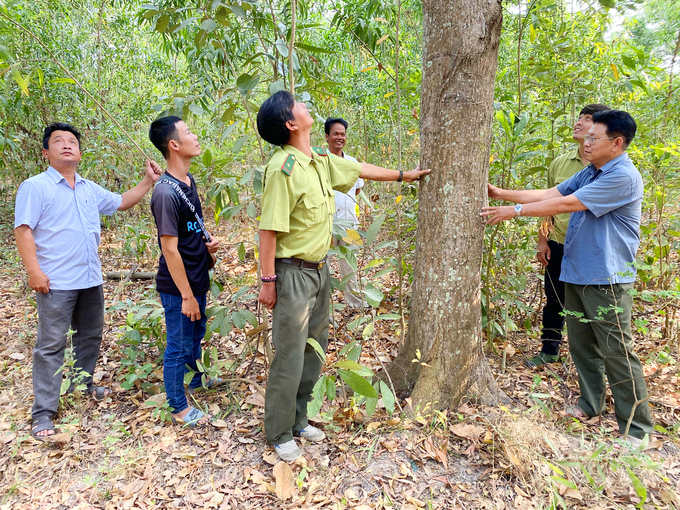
118 454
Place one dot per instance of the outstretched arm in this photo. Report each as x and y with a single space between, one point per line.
378 173
522 196
132 196
548 207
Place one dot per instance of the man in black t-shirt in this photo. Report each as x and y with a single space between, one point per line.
188 253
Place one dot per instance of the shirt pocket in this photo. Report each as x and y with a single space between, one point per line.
315 209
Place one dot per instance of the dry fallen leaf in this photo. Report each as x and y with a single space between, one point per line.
574 494
468 431
17 356
270 458
284 480
220 424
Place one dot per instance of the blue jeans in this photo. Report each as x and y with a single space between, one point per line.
184 348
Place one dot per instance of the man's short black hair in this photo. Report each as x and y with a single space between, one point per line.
273 115
59 126
162 131
334 120
618 123
591 109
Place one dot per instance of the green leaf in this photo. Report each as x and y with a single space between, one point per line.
207 157
221 16
239 144
374 229
389 316
282 47
330 388
358 383
238 319
314 405
348 364
319 350
237 10
276 86
228 113
225 326
609 4
241 251
371 404
564 482
162 23
246 83
639 487
196 109
388 397
373 296
313 49
250 317
368 331
209 25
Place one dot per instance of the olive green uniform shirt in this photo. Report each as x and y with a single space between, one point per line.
298 201
562 167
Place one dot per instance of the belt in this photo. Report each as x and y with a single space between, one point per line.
303 263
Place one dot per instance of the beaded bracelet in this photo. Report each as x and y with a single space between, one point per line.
268 279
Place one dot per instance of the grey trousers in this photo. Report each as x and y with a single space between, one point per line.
301 312
83 311
603 345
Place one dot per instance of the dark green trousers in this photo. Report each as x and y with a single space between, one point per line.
301 312
604 345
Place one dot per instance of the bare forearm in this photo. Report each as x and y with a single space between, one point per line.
377 173
523 196
553 206
26 245
176 266
267 252
132 196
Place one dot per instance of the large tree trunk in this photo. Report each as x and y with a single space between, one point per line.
460 53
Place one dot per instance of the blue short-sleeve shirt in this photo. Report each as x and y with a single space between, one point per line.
65 225
602 241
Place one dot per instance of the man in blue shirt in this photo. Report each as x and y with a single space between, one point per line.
56 225
605 200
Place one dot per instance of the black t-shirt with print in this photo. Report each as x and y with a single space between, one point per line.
174 218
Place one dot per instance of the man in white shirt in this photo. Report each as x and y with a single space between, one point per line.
345 205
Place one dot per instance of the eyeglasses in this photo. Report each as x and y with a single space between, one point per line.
592 139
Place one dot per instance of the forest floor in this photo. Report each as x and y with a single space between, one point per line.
120 454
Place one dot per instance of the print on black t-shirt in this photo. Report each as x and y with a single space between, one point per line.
174 218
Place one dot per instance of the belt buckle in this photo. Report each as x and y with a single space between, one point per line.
321 264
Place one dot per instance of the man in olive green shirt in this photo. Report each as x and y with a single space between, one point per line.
551 246
295 233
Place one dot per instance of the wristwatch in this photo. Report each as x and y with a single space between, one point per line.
518 210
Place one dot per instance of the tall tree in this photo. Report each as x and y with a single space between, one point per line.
460 53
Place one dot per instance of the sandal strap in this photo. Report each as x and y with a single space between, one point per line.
42 423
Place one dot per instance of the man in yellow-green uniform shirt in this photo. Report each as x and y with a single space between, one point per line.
295 234
550 248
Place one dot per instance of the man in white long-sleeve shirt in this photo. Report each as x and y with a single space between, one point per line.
345 205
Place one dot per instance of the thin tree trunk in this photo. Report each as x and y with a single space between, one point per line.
460 53
291 48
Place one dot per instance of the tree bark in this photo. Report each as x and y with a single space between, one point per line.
460 53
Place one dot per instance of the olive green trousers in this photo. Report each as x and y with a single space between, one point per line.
301 312
600 342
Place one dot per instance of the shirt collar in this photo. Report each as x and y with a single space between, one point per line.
576 155
612 162
300 157
57 177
